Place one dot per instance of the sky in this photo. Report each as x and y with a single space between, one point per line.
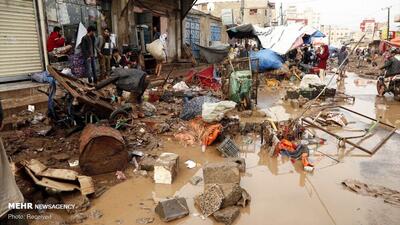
346 13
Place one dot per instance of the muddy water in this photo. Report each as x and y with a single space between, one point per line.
282 193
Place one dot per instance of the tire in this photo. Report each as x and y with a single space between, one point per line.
118 114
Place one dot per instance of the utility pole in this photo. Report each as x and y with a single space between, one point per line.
281 14
242 10
329 35
388 21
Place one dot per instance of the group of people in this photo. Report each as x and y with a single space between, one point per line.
93 48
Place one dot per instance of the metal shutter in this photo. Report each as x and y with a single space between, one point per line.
19 39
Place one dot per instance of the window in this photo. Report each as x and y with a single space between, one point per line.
253 12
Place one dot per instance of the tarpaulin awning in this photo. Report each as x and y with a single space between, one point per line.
280 39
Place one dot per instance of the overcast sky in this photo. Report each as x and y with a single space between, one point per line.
348 13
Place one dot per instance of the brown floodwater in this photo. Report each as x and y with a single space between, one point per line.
281 192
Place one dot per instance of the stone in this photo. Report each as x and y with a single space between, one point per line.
227 215
245 199
240 162
172 209
195 180
147 163
232 194
166 168
210 200
221 173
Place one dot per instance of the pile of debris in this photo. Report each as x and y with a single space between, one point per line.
222 194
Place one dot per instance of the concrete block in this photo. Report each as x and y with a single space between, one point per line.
211 200
166 168
245 199
227 215
240 162
172 209
232 194
221 173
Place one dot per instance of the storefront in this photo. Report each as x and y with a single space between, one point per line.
67 14
21 51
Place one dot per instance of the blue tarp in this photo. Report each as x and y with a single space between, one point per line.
268 59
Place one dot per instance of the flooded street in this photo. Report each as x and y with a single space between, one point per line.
281 191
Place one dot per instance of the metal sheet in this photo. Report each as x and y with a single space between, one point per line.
19 40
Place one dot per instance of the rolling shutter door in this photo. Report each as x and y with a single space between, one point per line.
19 39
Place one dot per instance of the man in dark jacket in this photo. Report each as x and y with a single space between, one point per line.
392 65
88 51
131 80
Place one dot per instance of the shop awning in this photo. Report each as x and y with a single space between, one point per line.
280 39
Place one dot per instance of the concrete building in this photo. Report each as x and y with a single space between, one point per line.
203 29
256 12
307 17
336 35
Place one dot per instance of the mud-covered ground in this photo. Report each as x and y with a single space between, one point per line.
282 193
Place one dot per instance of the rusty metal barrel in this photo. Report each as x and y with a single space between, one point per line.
102 150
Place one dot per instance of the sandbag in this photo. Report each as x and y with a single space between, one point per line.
268 60
309 79
156 49
214 112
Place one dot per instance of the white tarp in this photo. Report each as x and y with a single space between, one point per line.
281 39
81 32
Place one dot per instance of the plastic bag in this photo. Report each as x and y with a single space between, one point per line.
214 112
156 49
309 79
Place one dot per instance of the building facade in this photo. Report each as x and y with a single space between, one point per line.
26 25
307 17
256 12
336 35
203 29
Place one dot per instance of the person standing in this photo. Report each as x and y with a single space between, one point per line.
323 57
342 59
163 39
156 33
106 48
88 51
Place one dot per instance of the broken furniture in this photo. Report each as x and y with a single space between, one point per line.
58 179
81 103
240 65
102 150
346 139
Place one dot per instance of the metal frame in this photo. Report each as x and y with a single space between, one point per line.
241 64
369 151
